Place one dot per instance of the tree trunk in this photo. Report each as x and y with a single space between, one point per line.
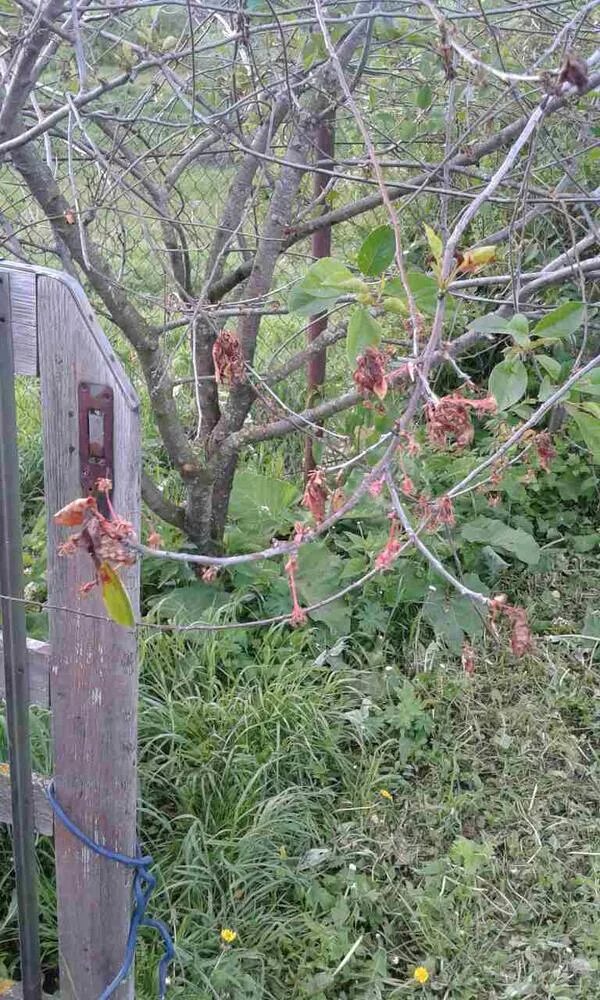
207 505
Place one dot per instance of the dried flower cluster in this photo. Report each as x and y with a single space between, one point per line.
369 376
316 494
450 419
105 540
436 513
545 450
521 640
392 547
228 359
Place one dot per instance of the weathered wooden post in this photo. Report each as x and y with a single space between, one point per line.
90 423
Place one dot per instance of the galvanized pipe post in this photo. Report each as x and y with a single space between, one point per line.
15 664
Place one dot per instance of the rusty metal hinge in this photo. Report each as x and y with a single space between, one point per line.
96 434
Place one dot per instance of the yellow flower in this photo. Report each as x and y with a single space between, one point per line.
386 795
228 936
421 974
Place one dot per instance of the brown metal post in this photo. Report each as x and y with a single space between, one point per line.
321 247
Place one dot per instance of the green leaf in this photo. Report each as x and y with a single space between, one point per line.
440 613
546 389
590 407
262 504
423 97
115 597
591 626
363 332
190 604
589 428
552 367
518 327
326 276
508 382
435 243
306 304
377 251
585 543
519 324
423 286
467 615
591 383
491 323
318 576
515 541
470 854
561 322
324 282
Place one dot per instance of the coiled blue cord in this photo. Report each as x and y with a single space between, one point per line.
143 886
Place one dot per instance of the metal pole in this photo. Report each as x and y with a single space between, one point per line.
321 247
15 664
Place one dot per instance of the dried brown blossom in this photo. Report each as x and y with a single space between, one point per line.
407 486
450 418
370 373
154 540
391 549
338 499
574 71
545 449
228 359
436 513
412 445
468 658
376 486
315 494
520 638
105 539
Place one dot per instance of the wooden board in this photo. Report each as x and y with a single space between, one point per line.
39 672
23 308
44 819
93 663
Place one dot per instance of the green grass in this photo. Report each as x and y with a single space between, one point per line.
262 770
262 774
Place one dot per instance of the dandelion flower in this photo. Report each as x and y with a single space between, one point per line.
228 936
421 974
386 795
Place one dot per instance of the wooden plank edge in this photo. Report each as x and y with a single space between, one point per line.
27 326
39 672
18 295
44 817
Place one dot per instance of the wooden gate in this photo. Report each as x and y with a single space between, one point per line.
87 672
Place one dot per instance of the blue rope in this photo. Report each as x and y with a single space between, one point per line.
143 885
